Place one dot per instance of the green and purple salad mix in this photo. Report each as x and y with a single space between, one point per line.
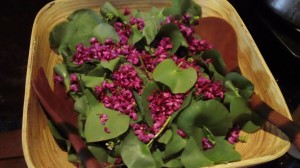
148 91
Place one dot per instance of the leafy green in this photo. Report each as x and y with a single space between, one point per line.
178 80
239 84
135 153
78 29
217 60
176 144
94 130
222 152
104 31
150 88
212 114
193 157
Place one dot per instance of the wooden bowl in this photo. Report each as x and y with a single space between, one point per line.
40 148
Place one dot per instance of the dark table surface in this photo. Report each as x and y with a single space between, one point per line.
16 18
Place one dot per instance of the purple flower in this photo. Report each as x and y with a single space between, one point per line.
160 54
123 31
233 135
117 98
73 78
181 133
106 130
103 118
209 89
74 87
58 79
126 77
137 21
143 132
206 144
162 105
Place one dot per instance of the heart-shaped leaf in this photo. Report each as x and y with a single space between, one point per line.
95 131
176 144
193 157
211 114
78 29
222 152
178 80
135 153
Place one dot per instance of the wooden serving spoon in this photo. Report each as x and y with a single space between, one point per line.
60 107
223 37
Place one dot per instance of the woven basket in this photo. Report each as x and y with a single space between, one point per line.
40 148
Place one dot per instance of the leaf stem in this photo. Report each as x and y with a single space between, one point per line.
160 131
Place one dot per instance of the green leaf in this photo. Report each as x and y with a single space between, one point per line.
178 8
195 10
172 30
141 74
176 144
108 8
98 151
141 110
81 105
193 157
165 137
222 152
61 70
94 130
244 86
211 114
150 31
136 154
55 132
111 64
217 60
104 31
91 81
216 76
99 70
254 124
239 111
178 80
149 89
136 35
78 29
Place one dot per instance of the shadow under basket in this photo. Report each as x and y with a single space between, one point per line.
40 148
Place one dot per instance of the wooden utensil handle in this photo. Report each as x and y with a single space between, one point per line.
287 126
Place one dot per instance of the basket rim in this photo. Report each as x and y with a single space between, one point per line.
28 93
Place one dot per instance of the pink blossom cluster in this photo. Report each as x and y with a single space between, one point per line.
104 52
187 29
207 144
124 32
118 95
143 132
127 77
162 105
209 89
139 22
233 136
74 87
160 54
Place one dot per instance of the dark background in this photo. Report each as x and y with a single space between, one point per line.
16 20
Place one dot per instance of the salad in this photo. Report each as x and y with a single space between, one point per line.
148 91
